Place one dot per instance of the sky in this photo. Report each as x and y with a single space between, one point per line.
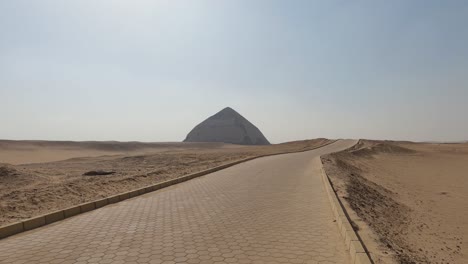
152 70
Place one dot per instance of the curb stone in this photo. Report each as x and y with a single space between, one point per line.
353 244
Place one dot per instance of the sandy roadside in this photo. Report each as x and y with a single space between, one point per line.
408 200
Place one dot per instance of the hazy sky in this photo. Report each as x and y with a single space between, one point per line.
151 70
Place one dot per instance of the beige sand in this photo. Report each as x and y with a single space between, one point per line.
32 189
409 201
35 151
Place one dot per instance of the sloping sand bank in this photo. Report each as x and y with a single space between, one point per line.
408 200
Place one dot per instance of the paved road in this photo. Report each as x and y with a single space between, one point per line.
269 210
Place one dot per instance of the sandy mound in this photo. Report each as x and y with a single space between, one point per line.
227 126
7 171
407 200
369 148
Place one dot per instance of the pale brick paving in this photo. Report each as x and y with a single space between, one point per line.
270 210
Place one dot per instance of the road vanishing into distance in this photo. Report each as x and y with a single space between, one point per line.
268 210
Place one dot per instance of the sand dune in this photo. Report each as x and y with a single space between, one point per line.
409 200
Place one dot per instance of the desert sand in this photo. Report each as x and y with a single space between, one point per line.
36 151
408 201
37 177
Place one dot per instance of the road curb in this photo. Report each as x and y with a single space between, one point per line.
353 244
35 222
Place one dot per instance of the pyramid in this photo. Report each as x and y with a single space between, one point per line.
227 126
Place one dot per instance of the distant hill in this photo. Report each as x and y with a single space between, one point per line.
227 126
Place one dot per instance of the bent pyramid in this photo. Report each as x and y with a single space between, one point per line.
227 126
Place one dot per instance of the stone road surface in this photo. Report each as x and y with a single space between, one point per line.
269 210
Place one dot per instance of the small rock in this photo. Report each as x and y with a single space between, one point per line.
98 172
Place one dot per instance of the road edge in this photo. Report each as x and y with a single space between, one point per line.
353 243
46 219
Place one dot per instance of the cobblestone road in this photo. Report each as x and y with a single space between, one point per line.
269 210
